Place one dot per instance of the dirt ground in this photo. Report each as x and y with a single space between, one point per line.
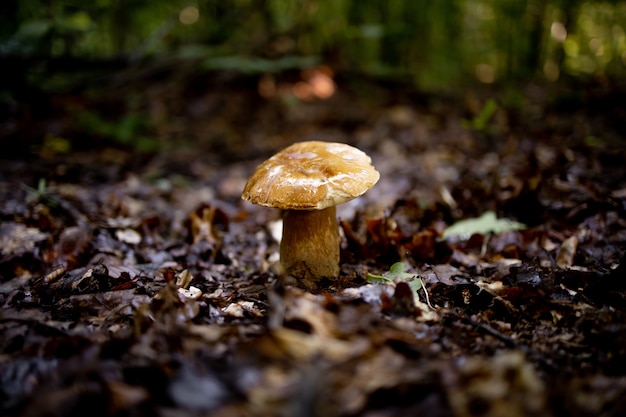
135 284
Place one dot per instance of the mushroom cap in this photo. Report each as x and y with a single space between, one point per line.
311 175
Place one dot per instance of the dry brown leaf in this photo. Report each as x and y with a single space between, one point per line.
566 253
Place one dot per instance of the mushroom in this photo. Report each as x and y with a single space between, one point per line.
307 180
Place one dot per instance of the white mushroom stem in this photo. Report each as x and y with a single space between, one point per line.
310 245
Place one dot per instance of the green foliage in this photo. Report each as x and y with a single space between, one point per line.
397 272
42 193
55 145
480 123
126 131
437 45
48 31
259 65
487 223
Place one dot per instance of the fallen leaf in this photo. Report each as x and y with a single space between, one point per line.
566 253
487 223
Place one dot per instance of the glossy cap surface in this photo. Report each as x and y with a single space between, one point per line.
311 175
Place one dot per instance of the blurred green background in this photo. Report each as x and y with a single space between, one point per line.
71 48
435 44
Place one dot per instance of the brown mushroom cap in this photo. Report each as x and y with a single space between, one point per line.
311 176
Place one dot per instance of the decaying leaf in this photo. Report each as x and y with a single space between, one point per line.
207 223
504 385
129 236
184 278
566 252
16 238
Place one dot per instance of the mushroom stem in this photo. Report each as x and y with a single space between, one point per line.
310 245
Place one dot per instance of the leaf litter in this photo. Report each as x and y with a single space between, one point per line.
147 295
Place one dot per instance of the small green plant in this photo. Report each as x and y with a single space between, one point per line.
481 121
397 272
41 193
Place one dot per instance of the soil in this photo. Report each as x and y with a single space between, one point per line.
137 283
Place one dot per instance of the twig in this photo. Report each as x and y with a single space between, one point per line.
425 293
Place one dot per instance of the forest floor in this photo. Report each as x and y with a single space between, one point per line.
139 283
